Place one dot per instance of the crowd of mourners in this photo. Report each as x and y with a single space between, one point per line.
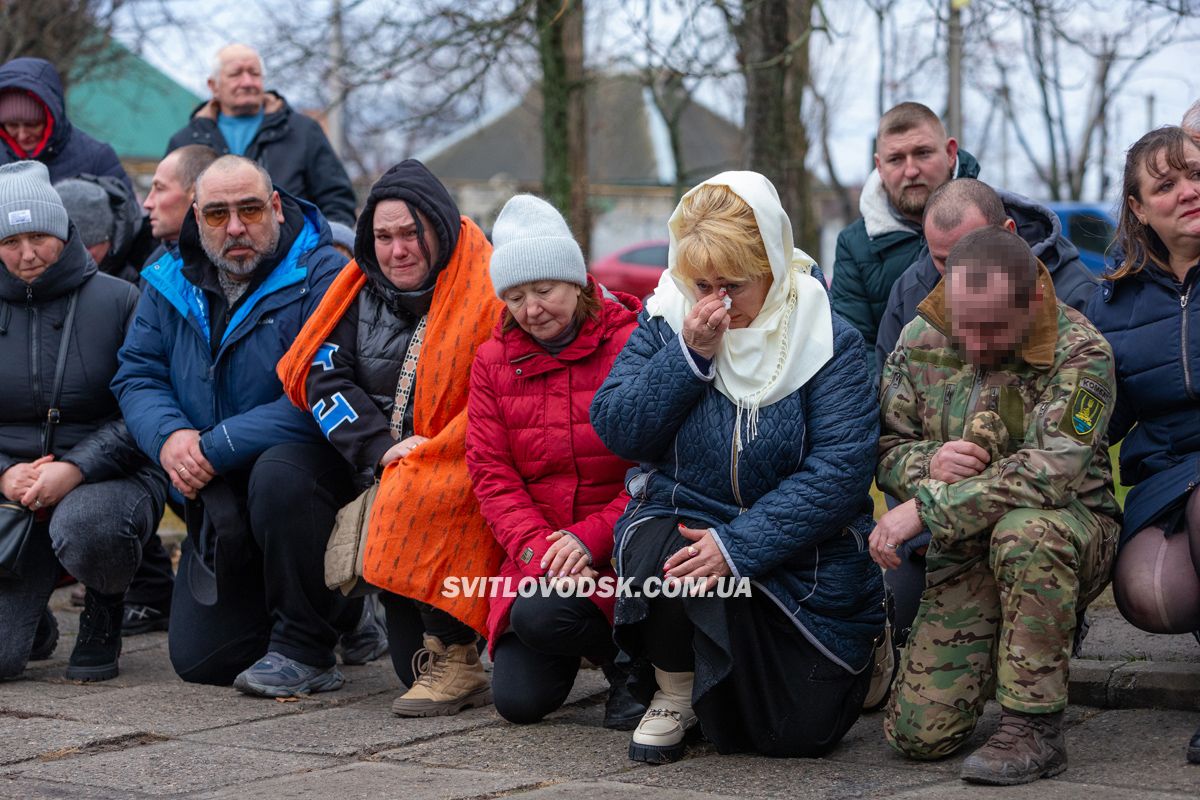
284 373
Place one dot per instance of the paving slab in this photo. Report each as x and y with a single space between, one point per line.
1111 638
158 709
360 728
34 737
608 790
557 751
26 789
1054 789
795 778
378 781
1134 749
170 768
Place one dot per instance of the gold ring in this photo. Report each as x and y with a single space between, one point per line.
181 469
692 551
892 545
37 503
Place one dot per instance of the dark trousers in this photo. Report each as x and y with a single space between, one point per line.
96 532
276 599
407 623
154 582
763 686
537 659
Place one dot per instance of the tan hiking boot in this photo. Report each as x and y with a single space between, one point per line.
449 679
1024 748
658 738
882 673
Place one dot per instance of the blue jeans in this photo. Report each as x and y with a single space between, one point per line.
96 533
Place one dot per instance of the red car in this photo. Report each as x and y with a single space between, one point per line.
634 269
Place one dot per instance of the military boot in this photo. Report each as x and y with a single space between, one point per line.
1024 748
659 737
449 679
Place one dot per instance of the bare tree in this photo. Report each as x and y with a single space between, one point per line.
1063 47
74 35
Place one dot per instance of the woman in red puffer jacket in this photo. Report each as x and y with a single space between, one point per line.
548 487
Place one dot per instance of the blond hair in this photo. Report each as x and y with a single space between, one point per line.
718 235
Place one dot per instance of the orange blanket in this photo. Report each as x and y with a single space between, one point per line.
425 525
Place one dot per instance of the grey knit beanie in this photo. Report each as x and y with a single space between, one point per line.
532 242
87 206
28 203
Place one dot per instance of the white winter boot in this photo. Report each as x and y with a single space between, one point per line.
658 738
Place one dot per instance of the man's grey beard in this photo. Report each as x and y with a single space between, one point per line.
239 269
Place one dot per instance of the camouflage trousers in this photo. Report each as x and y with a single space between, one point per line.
997 618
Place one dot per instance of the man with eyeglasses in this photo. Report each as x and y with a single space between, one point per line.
197 381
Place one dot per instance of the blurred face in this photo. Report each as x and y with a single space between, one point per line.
543 309
1170 203
26 134
985 321
239 222
28 255
941 242
238 86
914 163
746 296
168 203
99 251
397 248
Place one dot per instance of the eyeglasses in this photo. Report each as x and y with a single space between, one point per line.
248 213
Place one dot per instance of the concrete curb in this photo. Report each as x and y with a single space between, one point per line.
1135 684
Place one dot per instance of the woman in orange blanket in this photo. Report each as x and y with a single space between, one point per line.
383 365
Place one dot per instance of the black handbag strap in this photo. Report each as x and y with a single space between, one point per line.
53 415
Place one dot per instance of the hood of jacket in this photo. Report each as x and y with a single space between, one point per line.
273 103
74 266
1040 228
412 182
876 209
127 220
39 77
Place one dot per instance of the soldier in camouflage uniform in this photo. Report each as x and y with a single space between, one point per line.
994 411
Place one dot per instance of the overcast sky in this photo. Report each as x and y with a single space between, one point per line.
849 62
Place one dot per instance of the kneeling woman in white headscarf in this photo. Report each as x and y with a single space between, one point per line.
750 409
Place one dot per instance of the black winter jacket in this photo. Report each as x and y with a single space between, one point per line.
291 147
1040 227
366 350
69 152
91 435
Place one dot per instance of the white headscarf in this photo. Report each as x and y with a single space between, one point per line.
792 336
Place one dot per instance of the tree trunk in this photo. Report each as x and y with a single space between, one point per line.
773 39
564 117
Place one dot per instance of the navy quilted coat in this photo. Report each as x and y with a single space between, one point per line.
792 510
1155 335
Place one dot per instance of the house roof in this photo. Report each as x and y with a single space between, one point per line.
628 141
130 105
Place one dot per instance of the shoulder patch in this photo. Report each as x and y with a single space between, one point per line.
1085 411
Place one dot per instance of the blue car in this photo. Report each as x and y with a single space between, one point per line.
1090 227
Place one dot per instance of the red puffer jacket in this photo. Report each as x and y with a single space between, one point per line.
536 463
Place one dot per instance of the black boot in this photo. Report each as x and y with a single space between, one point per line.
45 639
99 643
621 711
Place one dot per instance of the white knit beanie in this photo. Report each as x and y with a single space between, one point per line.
28 203
532 242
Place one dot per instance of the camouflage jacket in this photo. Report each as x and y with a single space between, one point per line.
1054 400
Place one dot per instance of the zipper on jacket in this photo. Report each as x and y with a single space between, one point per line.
976 388
35 355
1040 417
947 396
889 394
1183 336
733 467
